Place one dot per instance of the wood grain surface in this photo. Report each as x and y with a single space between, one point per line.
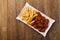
12 29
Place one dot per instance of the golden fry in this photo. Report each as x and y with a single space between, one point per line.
28 14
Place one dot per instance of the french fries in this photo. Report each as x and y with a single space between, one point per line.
28 14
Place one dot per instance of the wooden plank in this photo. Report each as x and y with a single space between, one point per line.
38 5
0 17
3 19
11 31
28 32
47 11
20 25
51 9
58 33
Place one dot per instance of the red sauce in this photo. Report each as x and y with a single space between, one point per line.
41 23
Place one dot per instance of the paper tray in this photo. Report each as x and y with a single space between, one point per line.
51 21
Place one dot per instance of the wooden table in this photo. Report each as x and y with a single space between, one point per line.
11 29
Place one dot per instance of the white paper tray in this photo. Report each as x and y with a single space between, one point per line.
51 21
